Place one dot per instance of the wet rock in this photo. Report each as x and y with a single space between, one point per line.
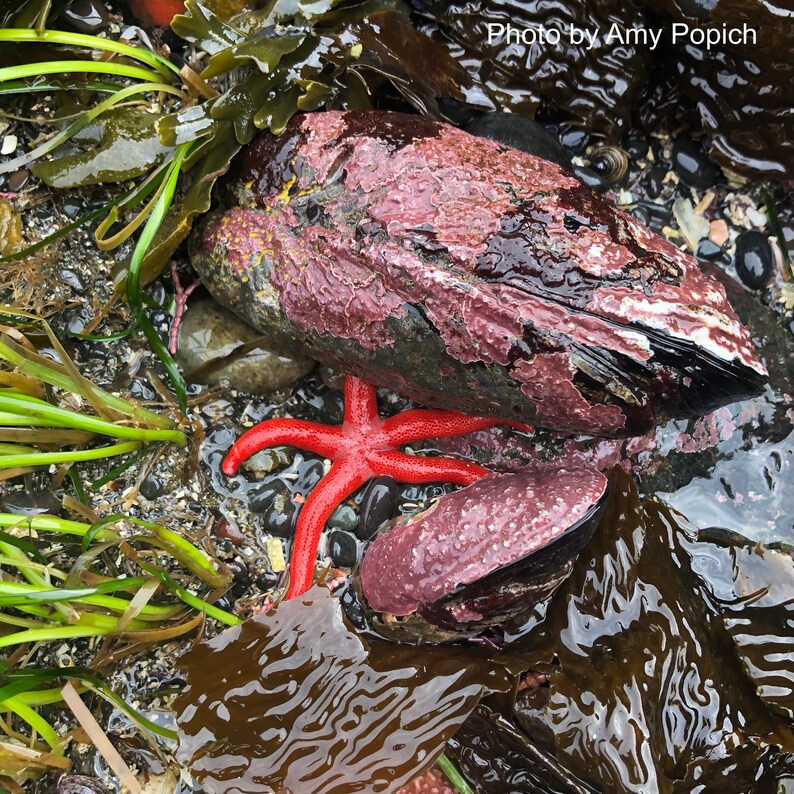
518 132
214 344
343 549
387 262
653 180
344 517
261 498
574 139
86 16
378 505
692 166
280 518
590 178
754 259
708 250
152 487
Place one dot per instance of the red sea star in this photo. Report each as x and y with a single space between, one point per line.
364 446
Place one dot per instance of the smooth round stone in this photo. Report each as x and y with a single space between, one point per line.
262 497
641 214
344 517
574 139
692 166
521 133
152 487
18 179
280 518
637 148
378 505
86 16
708 250
653 180
754 259
343 548
210 332
591 178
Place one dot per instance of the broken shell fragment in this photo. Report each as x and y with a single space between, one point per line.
480 556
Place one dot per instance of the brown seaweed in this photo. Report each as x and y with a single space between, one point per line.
669 663
596 85
293 700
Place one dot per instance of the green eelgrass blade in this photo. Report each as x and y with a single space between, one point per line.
45 523
72 456
40 86
74 67
35 578
18 594
23 686
15 449
193 601
134 273
41 411
117 471
156 61
77 484
129 199
453 775
178 547
89 624
56 374
41 697
102 689
34 719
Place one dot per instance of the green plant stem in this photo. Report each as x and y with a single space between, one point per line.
74 67
36 366
156 61
145 240
33 718
54 524
58 416
453 774
72 456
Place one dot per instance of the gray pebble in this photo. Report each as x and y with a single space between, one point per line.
210 333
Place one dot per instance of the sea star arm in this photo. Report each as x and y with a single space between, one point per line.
320 439
344 477
422 423
361 405
416 469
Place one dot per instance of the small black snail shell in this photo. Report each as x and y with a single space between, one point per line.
610 162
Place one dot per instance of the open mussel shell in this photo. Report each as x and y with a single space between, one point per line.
481 556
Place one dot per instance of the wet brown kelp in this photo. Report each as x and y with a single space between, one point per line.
293 700
662 664
669 667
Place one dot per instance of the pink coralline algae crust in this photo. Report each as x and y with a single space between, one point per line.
242 237
467 534
431 782
375 219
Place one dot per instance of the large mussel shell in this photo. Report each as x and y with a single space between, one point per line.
481 556
469 276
